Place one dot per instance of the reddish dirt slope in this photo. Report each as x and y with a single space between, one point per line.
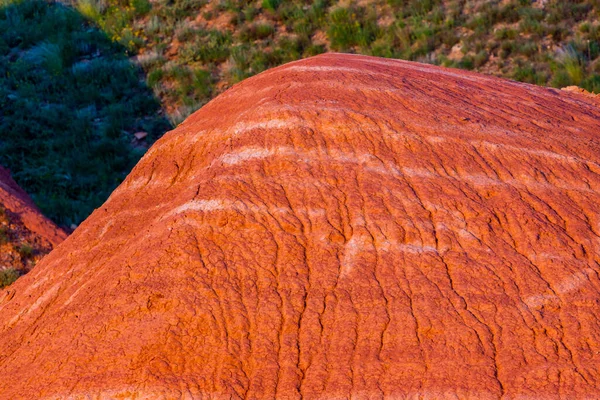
339 226
25 234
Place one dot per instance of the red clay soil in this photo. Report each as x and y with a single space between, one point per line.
25 234
341 226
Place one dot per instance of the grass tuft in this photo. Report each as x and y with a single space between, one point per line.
8 276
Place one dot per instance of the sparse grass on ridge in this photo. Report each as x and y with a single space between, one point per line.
549 43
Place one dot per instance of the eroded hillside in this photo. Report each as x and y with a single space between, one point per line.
338 227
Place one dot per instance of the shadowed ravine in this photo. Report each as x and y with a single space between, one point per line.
337 227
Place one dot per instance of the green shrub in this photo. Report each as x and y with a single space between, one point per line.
592 84
25 251
8 276
271 5
569 60
349 27
480 58
141 7
505 33
4 235
561 79
527 48
155 76
314 49
91 9
241 56
466 63
263 31
250 12
528 74
202 83
46 54
207 46
507 48
256 32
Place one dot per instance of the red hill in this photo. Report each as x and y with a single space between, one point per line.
337 227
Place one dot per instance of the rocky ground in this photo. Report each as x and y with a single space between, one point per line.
25 235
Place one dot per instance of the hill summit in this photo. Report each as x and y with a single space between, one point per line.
342 226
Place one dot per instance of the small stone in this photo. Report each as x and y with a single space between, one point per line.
140 135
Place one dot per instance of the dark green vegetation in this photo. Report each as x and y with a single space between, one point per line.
70 101
70 97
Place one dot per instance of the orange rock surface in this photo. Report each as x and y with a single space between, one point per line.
341 226
25 234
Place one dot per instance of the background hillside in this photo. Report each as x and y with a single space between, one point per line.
193 49
86 88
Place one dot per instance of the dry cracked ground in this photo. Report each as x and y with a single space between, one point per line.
338 227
